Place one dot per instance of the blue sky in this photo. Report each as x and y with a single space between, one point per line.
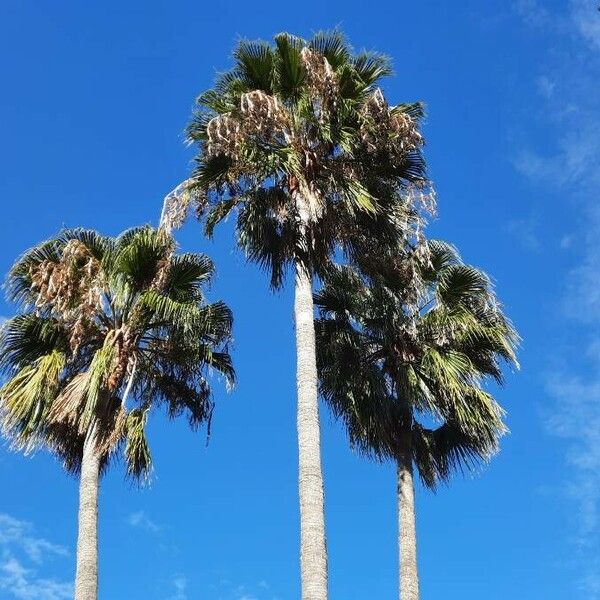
94 101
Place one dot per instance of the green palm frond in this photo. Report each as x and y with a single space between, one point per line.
26 398
190 397
358 197
222 363
440 452
137 451
333 46
343 293
441 255
211 172
166 311
255 62
460 283
186 275
288 65
371 67
216 321
140 254
27 337
219 212
265 237
100 246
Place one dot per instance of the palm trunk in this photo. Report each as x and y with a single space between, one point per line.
313 552
407 540
86 578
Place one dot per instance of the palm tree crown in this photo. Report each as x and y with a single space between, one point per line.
108 328
299 138
405 351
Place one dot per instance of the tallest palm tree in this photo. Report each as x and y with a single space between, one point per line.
300 143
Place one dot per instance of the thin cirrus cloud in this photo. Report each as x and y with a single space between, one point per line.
16 533
180 585
569 97
226 589
22 556
258 592
568 88
141 520
525 231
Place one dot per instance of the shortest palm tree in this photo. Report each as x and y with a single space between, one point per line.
108 328
404 343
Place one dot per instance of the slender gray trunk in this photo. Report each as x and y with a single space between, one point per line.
407 539
86 578
313 552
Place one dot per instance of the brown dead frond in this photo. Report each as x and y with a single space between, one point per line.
323 84
71 288
389 127
177 203
68 405
261 117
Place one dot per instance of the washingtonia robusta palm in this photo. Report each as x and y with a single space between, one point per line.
108 328
299 142
404 346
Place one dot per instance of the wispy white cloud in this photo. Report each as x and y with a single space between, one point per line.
180 585
586 22
569 94
576 418
141 520
533 12
546 86
582 301
568 83
16 533
19 544
241 593
180 588
525 231
22 583
566 241
226 589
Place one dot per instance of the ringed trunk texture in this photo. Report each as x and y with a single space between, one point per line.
86 578
313 551
409 576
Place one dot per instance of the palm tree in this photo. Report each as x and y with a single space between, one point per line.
300 143
404 342
108 329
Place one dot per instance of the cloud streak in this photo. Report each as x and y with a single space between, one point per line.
568 88
19 533
141 520
180 584
19 545
226 589
525 232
